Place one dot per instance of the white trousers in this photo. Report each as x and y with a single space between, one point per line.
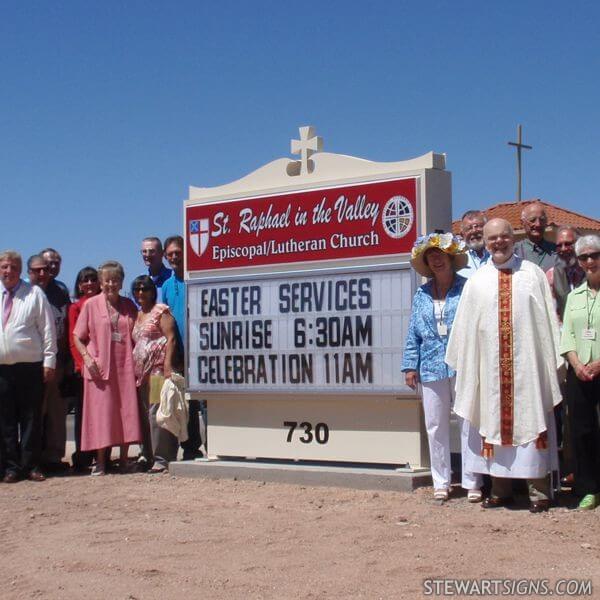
438 398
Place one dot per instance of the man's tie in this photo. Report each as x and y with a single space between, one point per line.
7 306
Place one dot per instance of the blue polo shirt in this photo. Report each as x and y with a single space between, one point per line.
173 295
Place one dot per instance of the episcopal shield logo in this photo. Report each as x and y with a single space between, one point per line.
199 235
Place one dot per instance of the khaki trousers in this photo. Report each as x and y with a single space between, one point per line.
54 422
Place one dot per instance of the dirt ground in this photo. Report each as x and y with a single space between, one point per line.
156 536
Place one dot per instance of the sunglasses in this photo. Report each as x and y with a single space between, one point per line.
592 255
38 269
142 288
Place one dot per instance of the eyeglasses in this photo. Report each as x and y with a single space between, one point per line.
38 269
142 288
476 226
585 257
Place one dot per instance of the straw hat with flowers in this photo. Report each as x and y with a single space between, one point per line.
446 242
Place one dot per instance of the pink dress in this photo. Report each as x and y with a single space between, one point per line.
110 407
150 345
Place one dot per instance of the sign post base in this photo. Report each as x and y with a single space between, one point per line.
358 477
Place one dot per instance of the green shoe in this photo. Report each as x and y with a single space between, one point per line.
589 502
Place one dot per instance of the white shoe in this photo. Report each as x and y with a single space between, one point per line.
441 494
474 496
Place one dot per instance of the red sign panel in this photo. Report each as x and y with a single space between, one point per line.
358 220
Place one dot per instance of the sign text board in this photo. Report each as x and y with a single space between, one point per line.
329 333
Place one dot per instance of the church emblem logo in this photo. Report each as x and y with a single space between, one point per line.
199 235
397 217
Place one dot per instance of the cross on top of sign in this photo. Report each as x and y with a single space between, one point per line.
305 146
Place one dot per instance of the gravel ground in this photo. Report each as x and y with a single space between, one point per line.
156 536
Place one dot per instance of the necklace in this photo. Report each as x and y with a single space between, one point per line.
113 316
439 308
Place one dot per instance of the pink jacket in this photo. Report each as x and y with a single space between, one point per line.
93 328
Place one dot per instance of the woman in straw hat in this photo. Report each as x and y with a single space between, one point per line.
437 256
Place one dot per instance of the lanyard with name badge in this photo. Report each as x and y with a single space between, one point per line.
589 333
115 336
442 328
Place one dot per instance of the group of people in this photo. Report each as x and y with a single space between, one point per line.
490 335
507 335
117 355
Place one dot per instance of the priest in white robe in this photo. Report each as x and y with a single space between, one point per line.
504 346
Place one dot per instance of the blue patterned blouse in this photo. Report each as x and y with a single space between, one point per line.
425 349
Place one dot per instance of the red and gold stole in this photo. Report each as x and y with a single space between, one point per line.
505 341
506 364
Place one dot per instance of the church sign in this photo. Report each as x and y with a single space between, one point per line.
299 298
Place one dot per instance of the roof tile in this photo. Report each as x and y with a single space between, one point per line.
511 211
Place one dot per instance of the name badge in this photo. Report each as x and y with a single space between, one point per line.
442 329
115 336
588 334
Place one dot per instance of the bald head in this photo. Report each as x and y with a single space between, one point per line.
499 240
534 220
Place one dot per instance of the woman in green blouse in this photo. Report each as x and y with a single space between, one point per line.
580 344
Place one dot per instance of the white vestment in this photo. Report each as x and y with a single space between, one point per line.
474 351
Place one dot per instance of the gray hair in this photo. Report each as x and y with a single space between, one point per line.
111 265
567 228
471 214
591 241
11 255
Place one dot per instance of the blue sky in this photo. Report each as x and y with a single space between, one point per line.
110 110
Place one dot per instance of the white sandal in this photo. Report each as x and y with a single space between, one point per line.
441 494
474 496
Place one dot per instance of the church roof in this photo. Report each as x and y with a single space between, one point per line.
557 216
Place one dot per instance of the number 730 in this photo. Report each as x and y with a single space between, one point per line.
319 434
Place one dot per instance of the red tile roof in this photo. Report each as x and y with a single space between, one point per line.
511 211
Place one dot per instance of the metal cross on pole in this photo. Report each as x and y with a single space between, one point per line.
306 145
519 146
